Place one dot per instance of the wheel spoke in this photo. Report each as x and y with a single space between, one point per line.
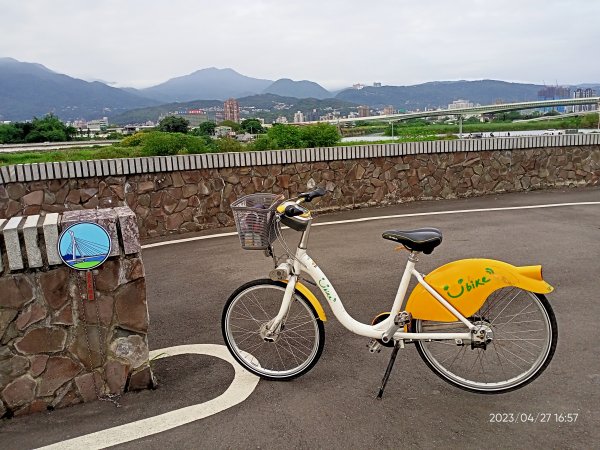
521 326
287 352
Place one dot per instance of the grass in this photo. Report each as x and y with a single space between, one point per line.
73 154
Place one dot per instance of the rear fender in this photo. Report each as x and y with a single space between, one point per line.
467 283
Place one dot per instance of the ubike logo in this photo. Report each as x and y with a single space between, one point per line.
456 292
326 288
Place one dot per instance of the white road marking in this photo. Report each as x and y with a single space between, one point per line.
241 387
395 216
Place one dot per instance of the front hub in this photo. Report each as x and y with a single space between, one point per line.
270 336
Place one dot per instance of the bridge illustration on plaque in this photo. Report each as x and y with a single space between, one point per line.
84 246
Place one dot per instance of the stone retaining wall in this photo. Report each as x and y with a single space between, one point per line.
56 349
189 193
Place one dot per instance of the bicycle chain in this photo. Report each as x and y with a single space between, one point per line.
112 398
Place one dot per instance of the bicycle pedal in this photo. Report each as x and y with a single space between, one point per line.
374 346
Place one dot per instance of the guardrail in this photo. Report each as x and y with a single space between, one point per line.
133 166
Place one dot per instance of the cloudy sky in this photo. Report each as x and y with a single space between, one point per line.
333 42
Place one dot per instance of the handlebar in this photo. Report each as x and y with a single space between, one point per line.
292 208
310 195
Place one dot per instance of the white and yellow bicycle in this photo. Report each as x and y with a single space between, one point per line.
482 325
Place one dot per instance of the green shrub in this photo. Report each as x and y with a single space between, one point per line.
158 143
228 145
134 140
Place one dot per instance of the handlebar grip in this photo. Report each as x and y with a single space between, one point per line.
308 196
293 210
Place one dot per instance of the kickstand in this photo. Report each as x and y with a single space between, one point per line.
388 371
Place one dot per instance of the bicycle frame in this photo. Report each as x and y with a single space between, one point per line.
304 262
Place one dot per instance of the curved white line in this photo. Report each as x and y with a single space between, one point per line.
241 387
395 216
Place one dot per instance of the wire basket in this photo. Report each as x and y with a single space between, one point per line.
254 216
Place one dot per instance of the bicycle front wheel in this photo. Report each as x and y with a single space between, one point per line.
287 354
523 335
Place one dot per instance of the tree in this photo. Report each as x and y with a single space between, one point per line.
205 129
50 129
252 126
10 134
174 124
284 136
320 135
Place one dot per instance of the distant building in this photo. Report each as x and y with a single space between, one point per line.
389 110
358 86
231 109
223 131
377 84
312 116
298 117
364 111
98 124
457 104
281 119
554 93
584 93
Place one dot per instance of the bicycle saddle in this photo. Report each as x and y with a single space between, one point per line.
419 240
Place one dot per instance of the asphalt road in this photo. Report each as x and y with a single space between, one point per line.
334 405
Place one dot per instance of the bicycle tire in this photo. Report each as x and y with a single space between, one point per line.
514 356
302 343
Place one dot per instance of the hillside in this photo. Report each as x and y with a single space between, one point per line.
28 90
152 113
441 93
267 106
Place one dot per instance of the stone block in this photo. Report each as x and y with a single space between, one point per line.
11 366
54 286
90 385
90 356
2 222
20 392
12 244
38 364
17 291
50 229
132 350
32 314
42 340
116 376
129 230
131 306
30 236
59 370
5 174
142 379
6 317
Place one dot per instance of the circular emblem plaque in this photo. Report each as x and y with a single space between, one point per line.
84 246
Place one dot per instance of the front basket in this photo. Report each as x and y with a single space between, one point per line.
254 216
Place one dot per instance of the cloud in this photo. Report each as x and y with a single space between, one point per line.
333 42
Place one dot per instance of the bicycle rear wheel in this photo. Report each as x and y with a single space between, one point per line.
292 351
524 336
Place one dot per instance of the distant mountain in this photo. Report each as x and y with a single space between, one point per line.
29 89
299 89
206 83
441 93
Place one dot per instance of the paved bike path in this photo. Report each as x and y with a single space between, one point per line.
334 405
